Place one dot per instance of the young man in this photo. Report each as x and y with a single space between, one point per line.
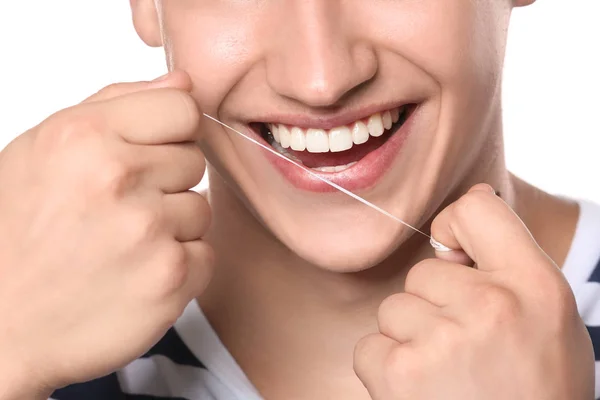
106 255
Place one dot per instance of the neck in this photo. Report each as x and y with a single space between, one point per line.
284 305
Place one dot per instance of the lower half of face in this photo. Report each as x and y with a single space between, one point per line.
395 101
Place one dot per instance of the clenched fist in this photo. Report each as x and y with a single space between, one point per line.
507 329
100 236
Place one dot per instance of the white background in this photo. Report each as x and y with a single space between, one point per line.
56 53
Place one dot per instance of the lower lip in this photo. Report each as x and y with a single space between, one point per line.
362 175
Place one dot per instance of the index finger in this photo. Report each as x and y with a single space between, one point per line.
156 116
176 79
487 230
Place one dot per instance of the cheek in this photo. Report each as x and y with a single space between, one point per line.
460 45
212 45
456 42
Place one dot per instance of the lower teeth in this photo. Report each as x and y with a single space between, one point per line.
337 168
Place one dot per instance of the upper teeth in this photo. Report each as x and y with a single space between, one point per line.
337 139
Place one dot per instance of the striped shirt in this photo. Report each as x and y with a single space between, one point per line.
191 363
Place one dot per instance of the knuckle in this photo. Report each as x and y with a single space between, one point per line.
110 90
203 205
448 336
112 177
363 350
563 300
498 306
145 224
74 142
187 106
398 367
417 274
388 310
171 314
197 164
209 258
202 266
190 106
557 296
200 160
70 127
469 204
205 273
172 269
201 214
551 288
200 157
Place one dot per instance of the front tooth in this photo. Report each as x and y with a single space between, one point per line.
395 115
317 141
387 120
298 140
284 136
340 139
275 132
360 133
375 125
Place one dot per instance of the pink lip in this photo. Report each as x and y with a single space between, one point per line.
362 175
329 121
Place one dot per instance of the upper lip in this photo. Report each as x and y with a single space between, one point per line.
329 121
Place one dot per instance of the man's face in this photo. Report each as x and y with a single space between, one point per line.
322 77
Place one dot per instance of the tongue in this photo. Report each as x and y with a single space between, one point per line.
329 159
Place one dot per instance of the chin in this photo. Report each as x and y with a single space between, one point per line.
344 259
344 242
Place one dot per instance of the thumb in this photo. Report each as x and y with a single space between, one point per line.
486 229
176 80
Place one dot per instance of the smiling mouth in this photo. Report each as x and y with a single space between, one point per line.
337 149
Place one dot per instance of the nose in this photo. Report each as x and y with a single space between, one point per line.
318 58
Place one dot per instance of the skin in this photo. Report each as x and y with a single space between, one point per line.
99 217
502 348
242 72
328 57
384 317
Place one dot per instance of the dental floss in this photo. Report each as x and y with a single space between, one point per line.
437 246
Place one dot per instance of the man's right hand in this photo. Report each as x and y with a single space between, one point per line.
100 236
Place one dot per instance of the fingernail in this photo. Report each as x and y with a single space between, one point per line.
162 78
437 246
482 187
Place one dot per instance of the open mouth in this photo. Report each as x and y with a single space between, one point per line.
337 149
